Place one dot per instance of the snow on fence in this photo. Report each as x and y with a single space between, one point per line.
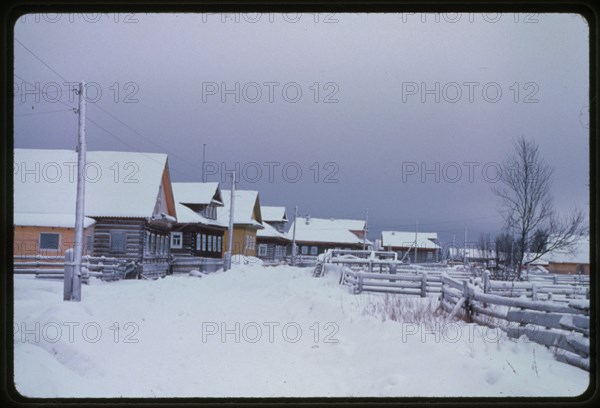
53 267
187 264
414 282
566 327
558 279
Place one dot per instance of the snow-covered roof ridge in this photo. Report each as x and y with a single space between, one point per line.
197 193
579 255
273 214
270 232
426 240
118 184
246 208
309 229
49 220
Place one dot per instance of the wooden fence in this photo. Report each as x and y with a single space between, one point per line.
408 283
53 267
564 326
183 264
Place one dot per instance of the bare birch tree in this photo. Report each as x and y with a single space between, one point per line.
526 204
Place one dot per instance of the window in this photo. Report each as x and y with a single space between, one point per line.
250 242
314 250
262 250
147 243
49 240
219 243
210 243
203 242
177 240
279 251
118 241
304 250
88 244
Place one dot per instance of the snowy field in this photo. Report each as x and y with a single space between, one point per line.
258 332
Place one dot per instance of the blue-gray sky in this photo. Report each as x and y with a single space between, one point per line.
360 119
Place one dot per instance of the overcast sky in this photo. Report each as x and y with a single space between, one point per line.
352 95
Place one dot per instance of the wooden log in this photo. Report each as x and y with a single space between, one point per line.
393 291
580 324
487 311
525 304
548 319
579 343
574 359
379 284
457 307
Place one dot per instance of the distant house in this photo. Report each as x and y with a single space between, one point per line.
315 235
404 243
247 220
128 199
570 262
198 232
272 241
473 255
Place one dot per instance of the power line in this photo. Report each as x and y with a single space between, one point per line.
107 112
43 112
40 60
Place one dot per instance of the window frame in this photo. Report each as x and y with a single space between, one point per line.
49 233
175 234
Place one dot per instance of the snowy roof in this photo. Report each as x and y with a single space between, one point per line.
579 255
49 220
330 230
406 239
270 232
273 214
118 184
186 215
246 208
197 193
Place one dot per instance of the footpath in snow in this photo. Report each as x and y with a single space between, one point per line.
262 332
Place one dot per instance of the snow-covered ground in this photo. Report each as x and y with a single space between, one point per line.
176 337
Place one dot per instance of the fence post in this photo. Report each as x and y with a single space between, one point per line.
486 281
555 279
424 284
534 291
360 282
370 266
69 270
443 283
467 302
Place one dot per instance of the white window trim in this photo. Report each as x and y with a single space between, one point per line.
178 235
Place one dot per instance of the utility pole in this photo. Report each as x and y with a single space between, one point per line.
294 236
465 248
416 243
231 213
203 161
366 229
79 208
454 246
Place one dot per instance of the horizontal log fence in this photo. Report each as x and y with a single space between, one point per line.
564 326
53 267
